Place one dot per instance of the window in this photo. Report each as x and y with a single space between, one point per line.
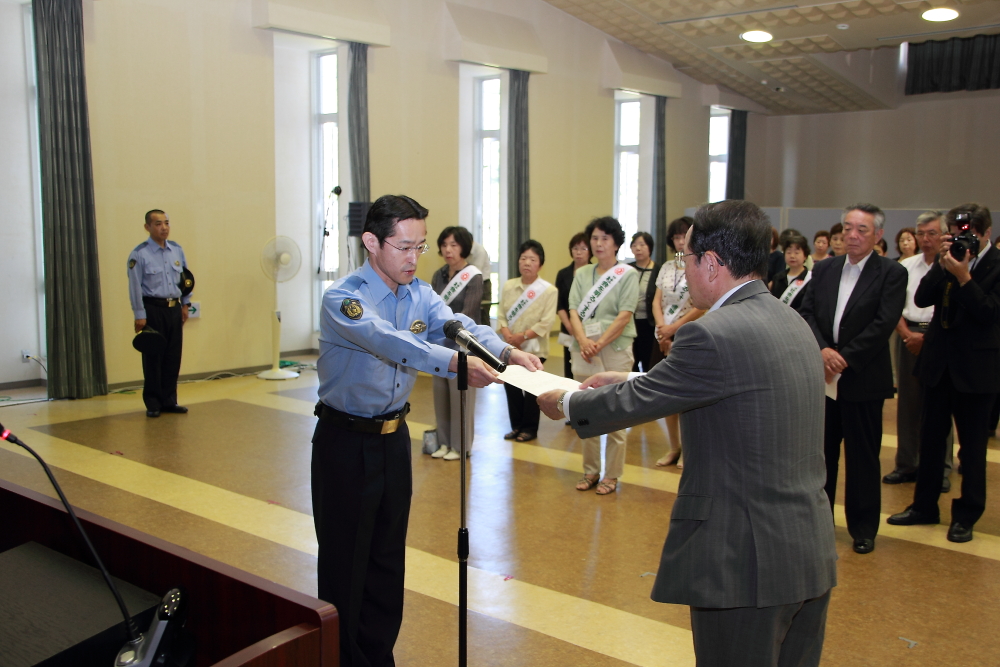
328 173
627 134
486 182
718 153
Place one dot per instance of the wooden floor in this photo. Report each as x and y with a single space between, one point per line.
557 577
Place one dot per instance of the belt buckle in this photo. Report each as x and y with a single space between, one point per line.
389 426
171 303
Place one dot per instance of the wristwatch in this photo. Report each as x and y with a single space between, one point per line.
559 403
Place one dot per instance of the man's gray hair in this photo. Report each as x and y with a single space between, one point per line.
931 216
870 209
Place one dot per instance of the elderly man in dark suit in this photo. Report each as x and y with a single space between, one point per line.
751 545
960 368
852 304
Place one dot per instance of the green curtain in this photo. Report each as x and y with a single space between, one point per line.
962 63
518 195
75 329
659 212
736 167
357 120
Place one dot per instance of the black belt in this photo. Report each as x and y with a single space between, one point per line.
163 303
382 424
917 325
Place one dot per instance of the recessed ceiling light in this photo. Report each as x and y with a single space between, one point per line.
758 36
939 14
842 26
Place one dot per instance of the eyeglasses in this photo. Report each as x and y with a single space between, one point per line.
419 249
680 256
931 233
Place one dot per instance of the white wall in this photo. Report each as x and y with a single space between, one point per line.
19 304
293 189
933 150
195 111
181 98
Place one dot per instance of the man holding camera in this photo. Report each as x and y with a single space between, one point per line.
959 368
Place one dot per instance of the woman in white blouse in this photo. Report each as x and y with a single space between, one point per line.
526 315
460 284
672 309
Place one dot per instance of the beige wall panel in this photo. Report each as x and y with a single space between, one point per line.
182 118
935 150
687 150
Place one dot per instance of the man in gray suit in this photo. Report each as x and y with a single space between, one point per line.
751 543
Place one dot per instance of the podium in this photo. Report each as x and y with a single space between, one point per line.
238 619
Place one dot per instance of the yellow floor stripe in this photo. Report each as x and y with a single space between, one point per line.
984 545
606 630
256 517
603 629
594 626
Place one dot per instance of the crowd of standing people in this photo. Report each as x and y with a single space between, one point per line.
870 316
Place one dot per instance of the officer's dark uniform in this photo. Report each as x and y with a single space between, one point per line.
372 343
154 281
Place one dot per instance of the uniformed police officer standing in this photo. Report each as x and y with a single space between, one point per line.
379 327
155 273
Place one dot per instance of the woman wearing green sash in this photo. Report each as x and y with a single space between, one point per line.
460 284
602 300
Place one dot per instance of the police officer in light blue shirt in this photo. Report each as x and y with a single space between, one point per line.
380 325
155 272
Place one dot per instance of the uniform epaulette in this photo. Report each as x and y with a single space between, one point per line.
350 283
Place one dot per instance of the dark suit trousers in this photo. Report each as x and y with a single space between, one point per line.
642 346
909 413
972 416
361 488
160 371
522 408
859 425
788 635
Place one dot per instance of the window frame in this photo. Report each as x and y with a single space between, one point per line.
722 158
642 184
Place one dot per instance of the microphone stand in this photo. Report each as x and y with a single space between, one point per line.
463 531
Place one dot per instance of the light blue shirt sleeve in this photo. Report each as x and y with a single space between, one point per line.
135 272
373 342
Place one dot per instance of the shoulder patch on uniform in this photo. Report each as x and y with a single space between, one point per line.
352 309
131 264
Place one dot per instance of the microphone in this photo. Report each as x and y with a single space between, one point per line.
454 330
162 641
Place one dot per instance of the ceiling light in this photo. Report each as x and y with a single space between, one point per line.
940 14
842 26
758 36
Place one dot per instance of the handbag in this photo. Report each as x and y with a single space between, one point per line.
430 442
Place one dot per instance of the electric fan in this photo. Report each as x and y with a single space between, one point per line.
280 260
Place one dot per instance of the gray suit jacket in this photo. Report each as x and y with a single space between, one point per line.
751 525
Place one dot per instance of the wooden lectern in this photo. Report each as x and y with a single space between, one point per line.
238 619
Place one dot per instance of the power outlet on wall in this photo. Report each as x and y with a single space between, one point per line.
25 356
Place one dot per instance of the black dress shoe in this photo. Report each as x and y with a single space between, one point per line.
176 409
912 517
959 532
152 413
945 485
864 546
897 477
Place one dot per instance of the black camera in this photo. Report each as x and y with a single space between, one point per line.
965 241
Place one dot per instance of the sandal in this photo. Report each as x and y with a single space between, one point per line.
607 486
669 459
513 434
587 483
524 436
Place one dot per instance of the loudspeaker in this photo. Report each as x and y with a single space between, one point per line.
357 211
